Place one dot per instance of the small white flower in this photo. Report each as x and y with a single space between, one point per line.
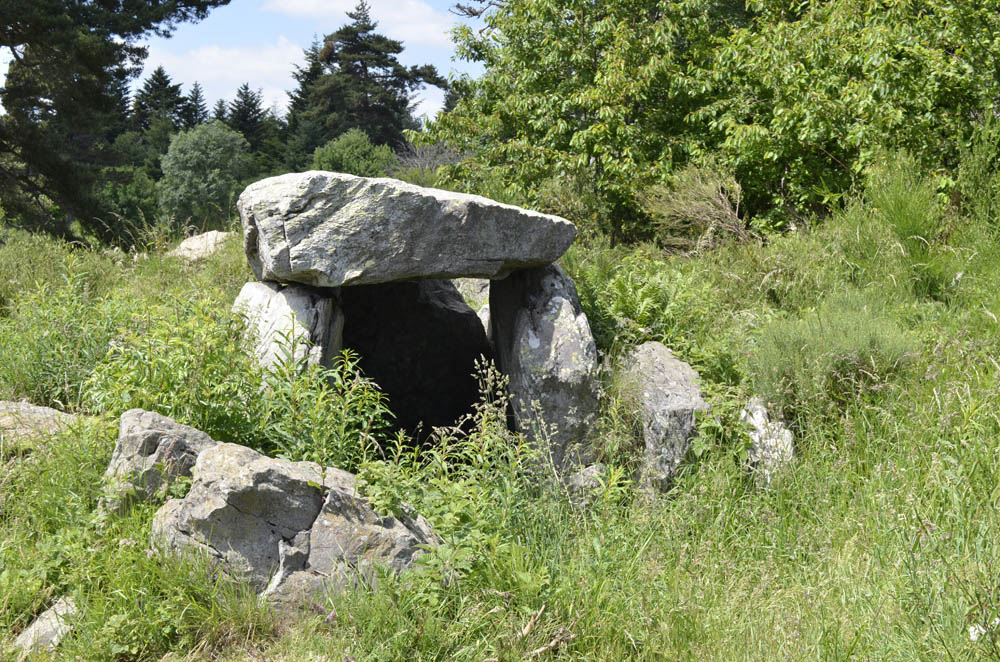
976 631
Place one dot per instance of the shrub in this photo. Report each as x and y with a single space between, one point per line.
697 209
979 174
201 172
840 353
352 152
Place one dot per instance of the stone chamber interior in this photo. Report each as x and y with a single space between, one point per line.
419 341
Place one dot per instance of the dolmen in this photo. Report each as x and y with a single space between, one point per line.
367 264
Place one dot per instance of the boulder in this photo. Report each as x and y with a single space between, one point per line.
582 485
201 246
329 229
22 420
282 318
292 529
151 452
418 340
50 628
475 291
771 442
544 346
667 395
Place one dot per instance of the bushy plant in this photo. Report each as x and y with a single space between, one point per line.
352 152
840 353
335 417
50 345
697 209
979 173
201 172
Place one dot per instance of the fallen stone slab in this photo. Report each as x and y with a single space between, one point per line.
544 346
667 395
22 420
48 630
152 451
292 529
201 246
295 320
329 229
771 442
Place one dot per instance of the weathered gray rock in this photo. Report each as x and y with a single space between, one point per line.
152 451
582 485
293 529
296 318
329 229
50 628
22 420
544 346
201 246
667 396
772 444
418 340
475 291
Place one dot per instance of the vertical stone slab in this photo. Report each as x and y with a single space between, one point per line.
297 318
544 346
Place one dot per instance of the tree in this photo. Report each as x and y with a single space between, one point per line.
246 114
305 131
59 96
354 154
364 85
201 173
220 111
158 98
194 111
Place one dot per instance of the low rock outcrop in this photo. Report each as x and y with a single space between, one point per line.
330 229
201 246
667 396
771 442
291 319
22 420
48 630
151 452
544 346
292 529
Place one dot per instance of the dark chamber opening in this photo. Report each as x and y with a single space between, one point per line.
419 341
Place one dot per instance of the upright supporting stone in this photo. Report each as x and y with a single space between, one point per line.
667 395
296 318
544 345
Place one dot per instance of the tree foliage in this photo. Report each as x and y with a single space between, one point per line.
354 154
201 171
363 84
794 98
62 90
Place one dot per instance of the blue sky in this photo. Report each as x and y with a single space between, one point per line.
259 42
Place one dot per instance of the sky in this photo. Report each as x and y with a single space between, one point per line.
260 41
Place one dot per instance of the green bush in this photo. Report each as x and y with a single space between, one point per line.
697 210
353 153
201 173
979 174
840 353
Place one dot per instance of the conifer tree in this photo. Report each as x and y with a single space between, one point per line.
194 111
158 98
220 111
365 86
246 115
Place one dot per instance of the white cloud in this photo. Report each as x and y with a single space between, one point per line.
221 70
414 22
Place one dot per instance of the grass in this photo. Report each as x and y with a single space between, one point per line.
881 542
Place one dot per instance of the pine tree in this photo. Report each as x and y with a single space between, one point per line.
59 98
158 98
365 86
246 115
305 131
194 111
220 111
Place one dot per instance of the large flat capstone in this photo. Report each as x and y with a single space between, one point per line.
329 229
